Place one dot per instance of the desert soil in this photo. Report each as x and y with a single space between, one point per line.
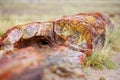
106 74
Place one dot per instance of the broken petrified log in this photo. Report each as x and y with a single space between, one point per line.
22 64
81 32
21 36
59 67
26 64
71 38
85 24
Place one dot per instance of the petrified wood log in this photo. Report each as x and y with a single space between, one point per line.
26 64
68 39
22 64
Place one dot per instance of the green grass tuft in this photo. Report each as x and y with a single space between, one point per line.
100 58
1 33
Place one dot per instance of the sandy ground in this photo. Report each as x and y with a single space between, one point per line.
106 74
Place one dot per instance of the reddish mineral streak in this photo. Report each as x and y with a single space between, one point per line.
72 38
